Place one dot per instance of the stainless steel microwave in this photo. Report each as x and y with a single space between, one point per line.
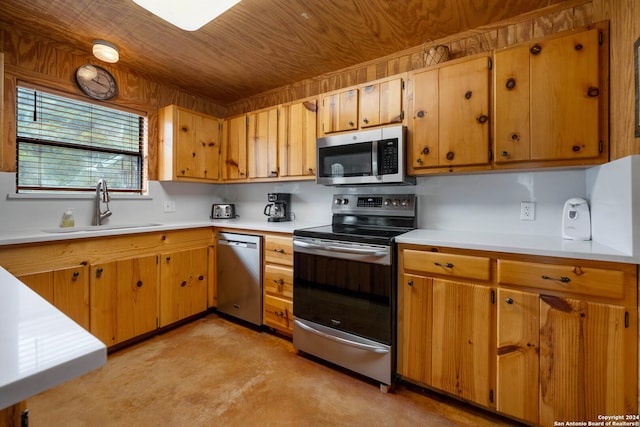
375 156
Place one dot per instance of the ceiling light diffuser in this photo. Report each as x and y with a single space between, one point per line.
105 51
189 15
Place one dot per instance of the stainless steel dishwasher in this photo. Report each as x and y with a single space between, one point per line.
239 263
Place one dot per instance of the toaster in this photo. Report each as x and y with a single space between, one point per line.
223 211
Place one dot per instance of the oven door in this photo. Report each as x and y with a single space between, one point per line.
345 286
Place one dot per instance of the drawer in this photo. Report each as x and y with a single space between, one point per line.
278 314
575 278
278 249
452 265
278 281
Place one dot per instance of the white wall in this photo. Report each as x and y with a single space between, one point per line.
482 202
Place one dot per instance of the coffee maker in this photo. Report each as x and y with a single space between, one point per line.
279 207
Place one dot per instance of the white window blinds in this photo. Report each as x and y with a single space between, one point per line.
68 145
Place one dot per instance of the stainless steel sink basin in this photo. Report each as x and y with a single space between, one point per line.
89 228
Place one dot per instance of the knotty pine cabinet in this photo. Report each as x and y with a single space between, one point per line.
66 288
372 104
550 101
539 339
183 284
190 147
262 143
124 298
449 123
297 143
234 149
278 283
122 286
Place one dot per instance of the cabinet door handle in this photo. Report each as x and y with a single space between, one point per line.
410 283
365 120
509 300
99 272
563 279
75 275
350 123
447 265
168 258
504 154
419 161
592 92
279 282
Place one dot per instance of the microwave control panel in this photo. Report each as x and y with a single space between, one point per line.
388 156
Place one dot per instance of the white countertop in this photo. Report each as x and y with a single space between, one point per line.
517 243
511 243
40 346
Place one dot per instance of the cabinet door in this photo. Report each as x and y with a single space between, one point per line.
71 293
381 103
340 111
183 284
103 301
414 361
582 353
461 342
262 143
565 97
423 142
206 157
234 149
463 103
297 148
185 134
40 283
137 296
511 105
517 355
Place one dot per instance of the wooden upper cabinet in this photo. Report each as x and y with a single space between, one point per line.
381 103
449 126
234 148
550 100
262 143
189 148
297 139
340 111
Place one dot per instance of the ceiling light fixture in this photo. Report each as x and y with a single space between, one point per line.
189 15
105 51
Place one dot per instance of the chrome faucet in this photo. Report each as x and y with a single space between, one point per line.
102 195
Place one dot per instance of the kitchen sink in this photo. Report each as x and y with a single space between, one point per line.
89 228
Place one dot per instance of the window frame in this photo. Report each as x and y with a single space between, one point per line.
141 154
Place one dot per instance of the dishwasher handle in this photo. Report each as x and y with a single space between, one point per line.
237 244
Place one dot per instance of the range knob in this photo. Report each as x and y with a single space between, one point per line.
338 201
395 202
405 202
387 202
345 201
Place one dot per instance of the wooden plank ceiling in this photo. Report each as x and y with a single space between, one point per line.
257 45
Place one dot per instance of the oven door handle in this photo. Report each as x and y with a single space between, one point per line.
343 249
361 346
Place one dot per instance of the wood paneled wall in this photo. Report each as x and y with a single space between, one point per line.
48 63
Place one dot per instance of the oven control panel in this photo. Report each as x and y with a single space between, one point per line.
375 204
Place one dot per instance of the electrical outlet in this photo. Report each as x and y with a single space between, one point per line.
169 206
527 211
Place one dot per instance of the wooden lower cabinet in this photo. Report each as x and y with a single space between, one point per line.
124 298
543 340
277 282
67 289
183 284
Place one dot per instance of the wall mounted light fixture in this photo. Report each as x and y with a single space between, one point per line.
189 15
105 51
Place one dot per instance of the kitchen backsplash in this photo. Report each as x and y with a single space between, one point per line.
475 202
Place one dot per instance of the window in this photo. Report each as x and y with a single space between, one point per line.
66 145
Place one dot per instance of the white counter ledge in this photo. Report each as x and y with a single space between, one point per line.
40 347
517 243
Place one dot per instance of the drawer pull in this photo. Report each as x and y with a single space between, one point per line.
447 265
563 279
278 250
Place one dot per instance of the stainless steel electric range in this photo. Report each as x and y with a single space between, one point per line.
345 283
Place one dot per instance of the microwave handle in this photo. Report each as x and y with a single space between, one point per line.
374 157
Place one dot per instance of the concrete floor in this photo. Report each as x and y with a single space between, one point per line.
214 371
